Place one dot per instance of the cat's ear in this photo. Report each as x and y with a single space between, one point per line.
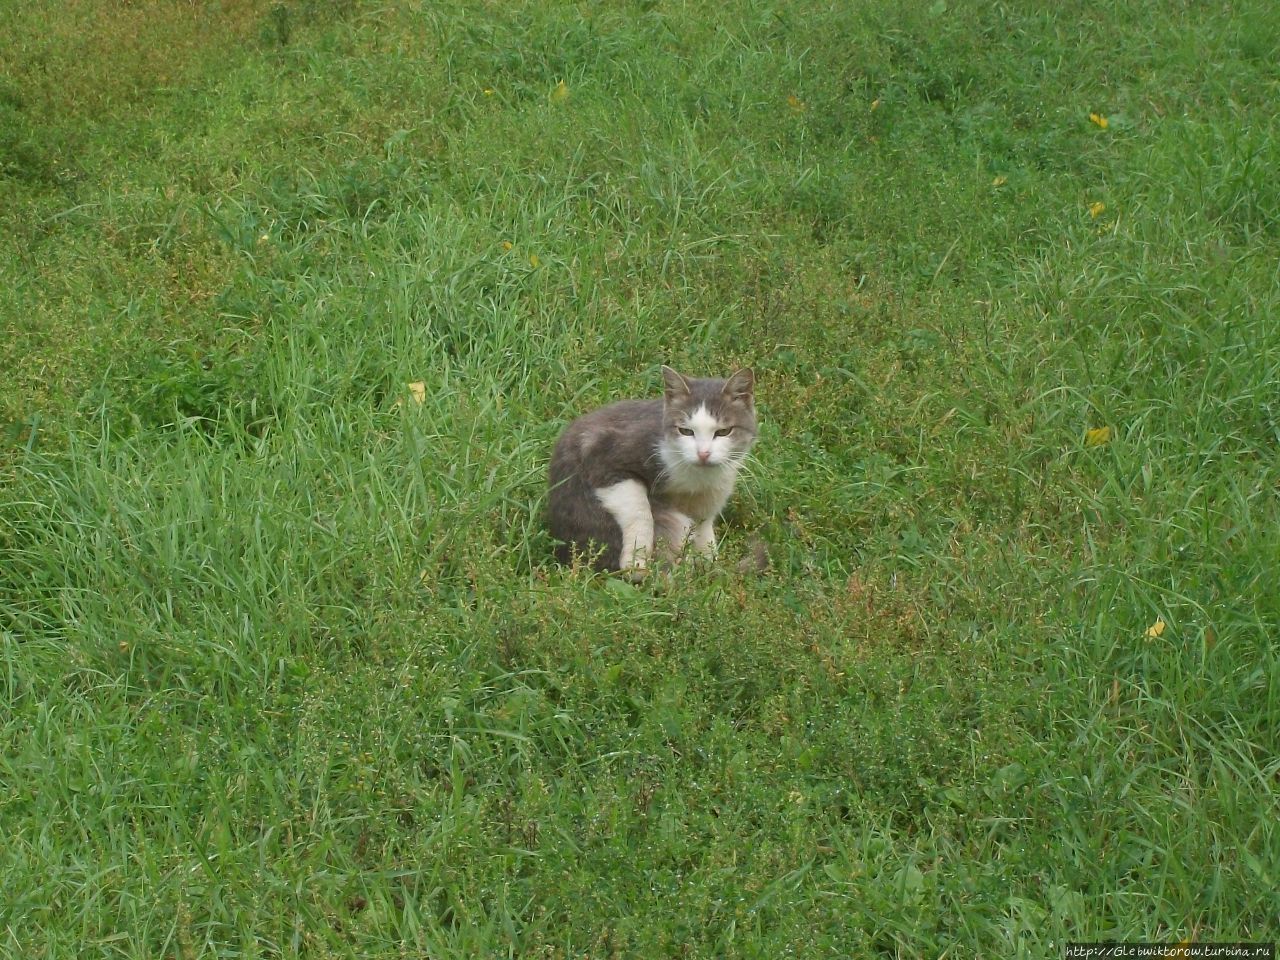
741 386
677 387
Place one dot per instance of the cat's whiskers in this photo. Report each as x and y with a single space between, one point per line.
744 463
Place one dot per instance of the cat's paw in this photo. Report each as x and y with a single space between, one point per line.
636 573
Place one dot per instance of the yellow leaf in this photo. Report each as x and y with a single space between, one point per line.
560 92
796 104
999 181
875 104
418 390
1098 120
1096 208
1155 630
507 244
488 91
1097 436
533 260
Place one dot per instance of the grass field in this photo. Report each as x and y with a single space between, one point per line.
287 667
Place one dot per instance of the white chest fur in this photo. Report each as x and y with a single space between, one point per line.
698 492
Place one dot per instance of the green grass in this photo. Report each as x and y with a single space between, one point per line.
287 667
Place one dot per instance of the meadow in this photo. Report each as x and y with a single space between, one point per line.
287 667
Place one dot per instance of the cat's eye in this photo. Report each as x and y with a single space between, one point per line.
685 431
725 432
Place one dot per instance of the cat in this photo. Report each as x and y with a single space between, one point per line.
641 479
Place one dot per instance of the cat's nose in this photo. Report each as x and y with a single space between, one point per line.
704 455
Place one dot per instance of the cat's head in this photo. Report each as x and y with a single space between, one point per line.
708 422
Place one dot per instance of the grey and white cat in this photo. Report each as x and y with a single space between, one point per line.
640 479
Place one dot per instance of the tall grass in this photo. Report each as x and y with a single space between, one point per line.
287 667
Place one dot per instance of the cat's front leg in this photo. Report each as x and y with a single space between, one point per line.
670 532
704 538
628 502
